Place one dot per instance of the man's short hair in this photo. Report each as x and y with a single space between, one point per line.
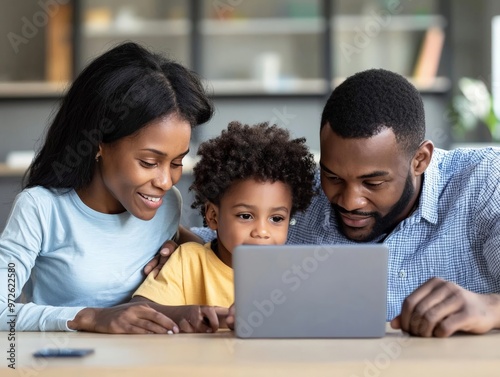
370 101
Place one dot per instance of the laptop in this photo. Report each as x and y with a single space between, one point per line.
310 291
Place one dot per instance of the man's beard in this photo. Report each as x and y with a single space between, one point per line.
383 224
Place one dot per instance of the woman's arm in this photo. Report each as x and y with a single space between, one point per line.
20 245
27 230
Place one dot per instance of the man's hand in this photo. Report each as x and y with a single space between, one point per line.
154 265
440 308
131 318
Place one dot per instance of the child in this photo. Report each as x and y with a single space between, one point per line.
248 184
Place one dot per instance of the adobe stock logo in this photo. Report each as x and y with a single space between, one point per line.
31 27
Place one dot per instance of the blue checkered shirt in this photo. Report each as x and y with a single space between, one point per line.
454 234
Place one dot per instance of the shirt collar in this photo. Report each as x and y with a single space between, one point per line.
428 206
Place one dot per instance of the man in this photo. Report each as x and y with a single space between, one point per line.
437 211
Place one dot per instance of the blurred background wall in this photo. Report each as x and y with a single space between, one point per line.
262 60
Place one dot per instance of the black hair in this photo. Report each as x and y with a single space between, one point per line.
115 96
262 152
369 101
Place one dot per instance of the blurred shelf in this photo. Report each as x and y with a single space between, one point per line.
439 84
300 43
261 26
221 87
436 85
317 25
27 89
160 28
475 144
7 171
394 23
258 87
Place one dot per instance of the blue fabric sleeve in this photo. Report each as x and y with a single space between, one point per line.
20 244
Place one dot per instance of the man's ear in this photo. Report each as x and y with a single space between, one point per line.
212 215
423 157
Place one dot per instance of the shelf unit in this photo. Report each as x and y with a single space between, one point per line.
260 50
161 25
283 47
324 27
409 38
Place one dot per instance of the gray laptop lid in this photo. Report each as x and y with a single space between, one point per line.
310 291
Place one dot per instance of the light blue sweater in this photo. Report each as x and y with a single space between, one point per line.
68 256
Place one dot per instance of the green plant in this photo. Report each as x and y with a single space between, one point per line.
472 112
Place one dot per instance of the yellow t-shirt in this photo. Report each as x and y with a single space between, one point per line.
193 275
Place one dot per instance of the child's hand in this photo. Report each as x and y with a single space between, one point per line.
198 318
154 265
230 318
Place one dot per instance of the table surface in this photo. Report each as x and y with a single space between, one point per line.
222 354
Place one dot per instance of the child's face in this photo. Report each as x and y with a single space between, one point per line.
135 172
252 213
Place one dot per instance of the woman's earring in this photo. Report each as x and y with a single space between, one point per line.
97 157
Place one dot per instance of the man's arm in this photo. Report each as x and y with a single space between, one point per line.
440 308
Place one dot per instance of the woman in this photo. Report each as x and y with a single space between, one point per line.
98 200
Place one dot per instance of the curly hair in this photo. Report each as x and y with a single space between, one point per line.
371 100
262 152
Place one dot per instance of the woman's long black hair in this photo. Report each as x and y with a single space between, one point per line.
117 94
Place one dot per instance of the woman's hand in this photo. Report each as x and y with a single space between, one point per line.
130 318
183 235
154 265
